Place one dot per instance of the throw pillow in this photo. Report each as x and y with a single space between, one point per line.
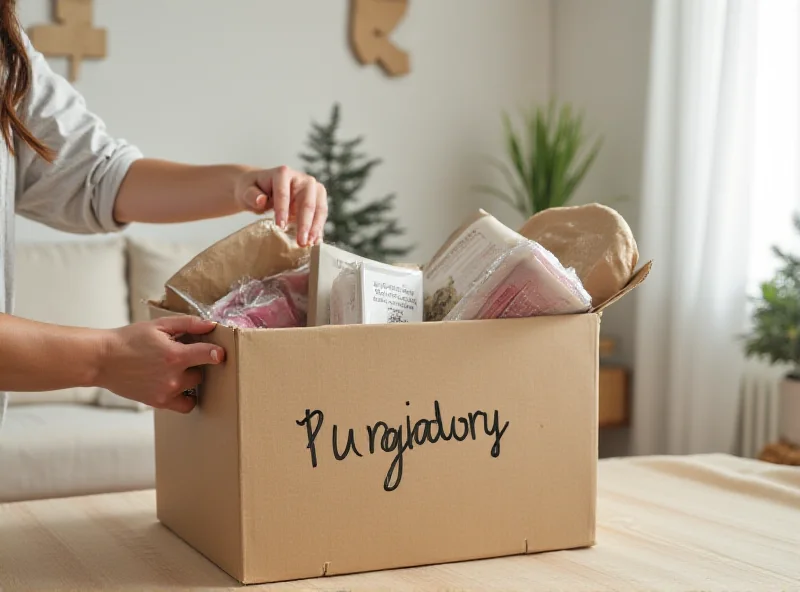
77 283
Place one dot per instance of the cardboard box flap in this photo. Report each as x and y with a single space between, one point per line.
258 250
634 282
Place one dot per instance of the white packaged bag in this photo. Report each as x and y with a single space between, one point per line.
372 293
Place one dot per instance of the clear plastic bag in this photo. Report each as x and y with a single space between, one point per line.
275 302
525 281
258 250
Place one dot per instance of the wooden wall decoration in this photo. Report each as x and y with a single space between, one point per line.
371 24
72 37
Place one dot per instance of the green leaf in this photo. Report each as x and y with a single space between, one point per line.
545 163
575 178
520 200
769 292
540 186
514 149
563 148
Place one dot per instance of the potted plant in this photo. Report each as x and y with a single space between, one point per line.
775 335
548 159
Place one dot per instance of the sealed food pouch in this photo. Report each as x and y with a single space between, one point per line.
525 281
372 293
462 260
326 263
391 295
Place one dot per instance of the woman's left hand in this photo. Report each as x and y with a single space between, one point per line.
291 194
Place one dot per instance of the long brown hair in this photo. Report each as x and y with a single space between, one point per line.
15 82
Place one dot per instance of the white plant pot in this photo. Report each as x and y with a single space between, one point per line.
789 411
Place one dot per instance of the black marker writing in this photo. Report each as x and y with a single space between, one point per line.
351 444
312 433
398 440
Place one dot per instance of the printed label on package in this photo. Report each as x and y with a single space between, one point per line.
391 297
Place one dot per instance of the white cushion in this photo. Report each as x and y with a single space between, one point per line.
75 283
67 450
110 400
150 264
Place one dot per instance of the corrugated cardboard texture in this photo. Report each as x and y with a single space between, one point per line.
197 463
454 500
636 280
258 250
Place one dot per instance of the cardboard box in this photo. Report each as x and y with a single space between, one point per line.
297 461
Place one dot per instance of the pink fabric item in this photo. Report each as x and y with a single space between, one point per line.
275 302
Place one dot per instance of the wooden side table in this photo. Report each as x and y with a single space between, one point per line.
614 390
613 408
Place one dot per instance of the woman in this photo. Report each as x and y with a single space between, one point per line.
59 166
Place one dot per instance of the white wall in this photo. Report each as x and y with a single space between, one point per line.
207 82
601 52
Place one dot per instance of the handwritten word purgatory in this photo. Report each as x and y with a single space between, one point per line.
380 437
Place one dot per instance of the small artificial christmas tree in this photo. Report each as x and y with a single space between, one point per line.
343 170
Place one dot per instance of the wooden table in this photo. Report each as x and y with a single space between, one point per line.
688 523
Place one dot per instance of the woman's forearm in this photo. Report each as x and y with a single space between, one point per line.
144 361
42 357
156 191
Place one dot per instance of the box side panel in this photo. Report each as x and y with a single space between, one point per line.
197 465
487 446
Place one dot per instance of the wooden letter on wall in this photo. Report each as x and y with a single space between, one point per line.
73 37
371 23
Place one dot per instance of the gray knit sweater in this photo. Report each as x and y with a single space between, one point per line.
76 193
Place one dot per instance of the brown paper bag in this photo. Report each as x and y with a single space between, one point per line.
258 250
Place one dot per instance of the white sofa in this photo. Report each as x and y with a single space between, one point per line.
82 441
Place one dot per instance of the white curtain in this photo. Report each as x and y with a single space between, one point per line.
696 225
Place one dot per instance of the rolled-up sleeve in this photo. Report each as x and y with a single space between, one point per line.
77 192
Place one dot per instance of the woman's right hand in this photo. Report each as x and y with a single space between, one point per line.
145 362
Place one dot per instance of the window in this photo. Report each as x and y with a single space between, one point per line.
776 171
